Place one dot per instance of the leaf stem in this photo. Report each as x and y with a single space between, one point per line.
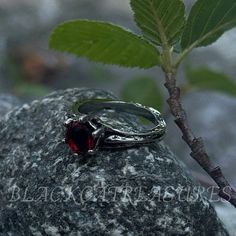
181 57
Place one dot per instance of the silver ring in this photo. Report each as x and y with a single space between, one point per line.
86 132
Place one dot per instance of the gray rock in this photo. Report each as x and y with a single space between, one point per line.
46 190
7 103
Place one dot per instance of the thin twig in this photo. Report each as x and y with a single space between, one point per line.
196 144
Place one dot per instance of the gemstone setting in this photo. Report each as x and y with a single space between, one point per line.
79 137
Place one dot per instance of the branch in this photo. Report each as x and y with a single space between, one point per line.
196 144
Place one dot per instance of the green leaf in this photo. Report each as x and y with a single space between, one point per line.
207 21
104 42
160 17
143 90
204 78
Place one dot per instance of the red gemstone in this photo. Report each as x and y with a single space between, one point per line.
79 137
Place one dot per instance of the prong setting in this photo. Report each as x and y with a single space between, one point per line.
68 121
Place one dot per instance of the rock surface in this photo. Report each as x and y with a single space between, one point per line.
46 190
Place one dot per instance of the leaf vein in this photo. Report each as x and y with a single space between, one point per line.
209 18
227 13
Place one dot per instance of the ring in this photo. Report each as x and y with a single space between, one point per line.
86 132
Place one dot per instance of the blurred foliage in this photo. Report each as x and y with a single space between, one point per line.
204 78
30 89
143 90
146 91
101 74
21 86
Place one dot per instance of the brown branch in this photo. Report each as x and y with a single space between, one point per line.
196 144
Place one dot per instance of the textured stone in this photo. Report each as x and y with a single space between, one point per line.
46 190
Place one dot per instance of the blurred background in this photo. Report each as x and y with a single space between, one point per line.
29 70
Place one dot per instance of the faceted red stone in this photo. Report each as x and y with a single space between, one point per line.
79 137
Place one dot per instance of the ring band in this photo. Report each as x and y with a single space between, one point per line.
86 132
